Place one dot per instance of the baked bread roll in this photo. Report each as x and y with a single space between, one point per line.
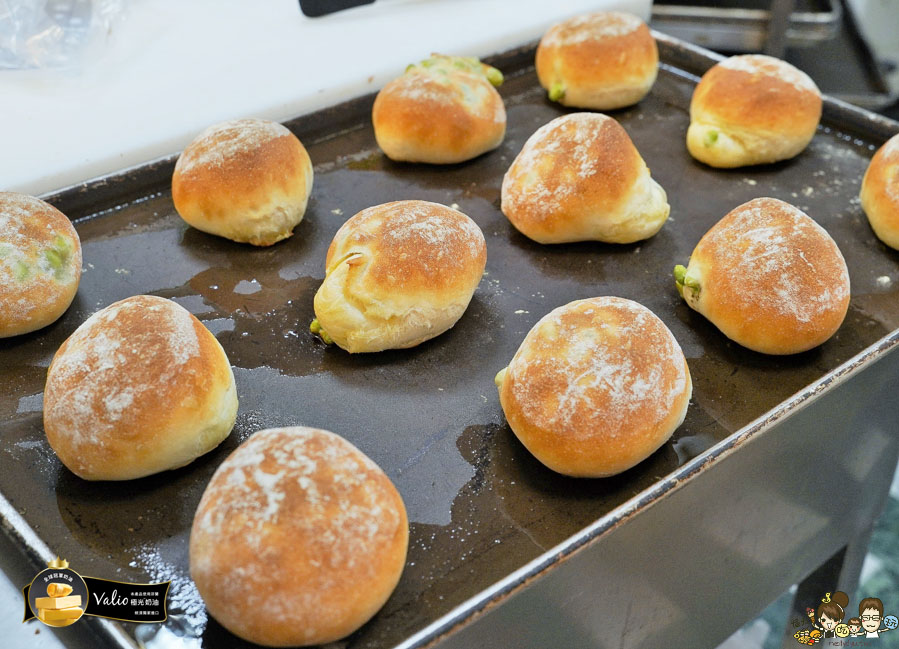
602 61
397 275
140 387
299 538
769 277
880 193
580 178
443 110
247 180
752 109
596 387
40 264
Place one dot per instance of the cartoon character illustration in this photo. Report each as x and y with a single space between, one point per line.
855 627
831 612
870 610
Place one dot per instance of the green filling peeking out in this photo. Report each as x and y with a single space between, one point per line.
444 64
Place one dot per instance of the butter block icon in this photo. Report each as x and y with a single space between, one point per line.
59 614
57 602
60 609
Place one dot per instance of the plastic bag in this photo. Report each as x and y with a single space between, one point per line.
53 33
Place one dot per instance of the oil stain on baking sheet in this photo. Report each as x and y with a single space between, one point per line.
480 506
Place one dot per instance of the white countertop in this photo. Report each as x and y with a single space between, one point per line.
167 69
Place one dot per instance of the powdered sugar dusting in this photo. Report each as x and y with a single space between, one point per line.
293 494
558 161
794 264
440 88
890 148
441 231
107 366
588 27
597 366
435 233
226 140
772 67
30 230
889 155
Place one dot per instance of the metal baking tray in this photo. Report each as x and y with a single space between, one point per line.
743 25
480 506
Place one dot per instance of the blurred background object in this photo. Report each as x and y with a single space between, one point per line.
53 34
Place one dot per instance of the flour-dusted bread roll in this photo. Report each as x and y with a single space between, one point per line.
299 538
247 180
40 264
140 387
398 274
880 193
442 110
580 178
602 61
752 109
596 387
769 277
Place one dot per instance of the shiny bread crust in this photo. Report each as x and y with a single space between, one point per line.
596 387
140 387
247 180
604 60
770 278
40 264
299 538
880 193
752 109
425 116
398 274
580 178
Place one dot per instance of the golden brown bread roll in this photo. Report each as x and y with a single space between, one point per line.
769 277
752 109
596 387
140 387
443 110
40 264
247 180
398 274
299 538
602 61
581 178
880 193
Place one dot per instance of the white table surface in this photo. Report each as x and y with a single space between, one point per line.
170 68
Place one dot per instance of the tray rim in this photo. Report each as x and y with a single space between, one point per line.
493 596
675 55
